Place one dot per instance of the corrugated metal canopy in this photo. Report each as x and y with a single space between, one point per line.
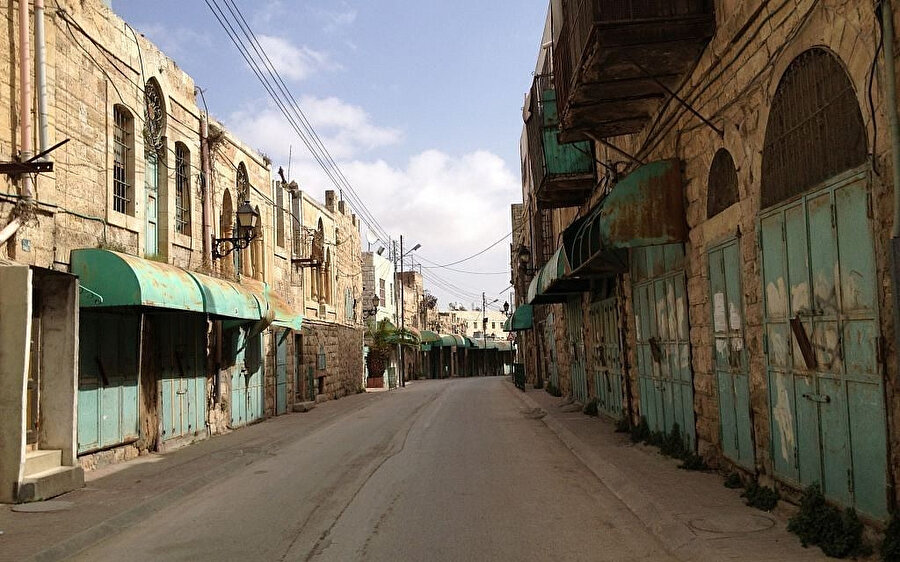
554 283
229 300
123 280
451 340
646 208
429 337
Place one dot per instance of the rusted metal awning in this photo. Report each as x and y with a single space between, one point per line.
555 282
644 209
229 300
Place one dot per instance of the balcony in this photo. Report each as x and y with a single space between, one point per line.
563 175
610 57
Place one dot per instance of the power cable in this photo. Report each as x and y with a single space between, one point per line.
470 257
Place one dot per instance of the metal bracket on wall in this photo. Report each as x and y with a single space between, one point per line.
34 165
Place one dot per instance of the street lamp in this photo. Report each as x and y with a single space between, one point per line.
369 312
403 306
247 225
524 255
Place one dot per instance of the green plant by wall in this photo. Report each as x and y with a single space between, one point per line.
552 390
623 425
733 481
760 497
693 461
890 547
839 533
640 433
673 445
592 408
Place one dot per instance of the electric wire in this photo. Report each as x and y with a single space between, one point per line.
289 107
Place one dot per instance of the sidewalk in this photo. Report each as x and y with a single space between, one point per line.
118 496
692 513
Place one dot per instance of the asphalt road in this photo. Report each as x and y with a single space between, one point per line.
441 470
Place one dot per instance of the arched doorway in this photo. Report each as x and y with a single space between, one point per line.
826 395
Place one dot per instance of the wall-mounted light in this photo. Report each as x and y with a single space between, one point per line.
247 230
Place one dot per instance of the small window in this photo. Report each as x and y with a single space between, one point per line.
384 301
123 161
182 189
722 188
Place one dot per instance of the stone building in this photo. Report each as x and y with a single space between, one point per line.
723 261
168 333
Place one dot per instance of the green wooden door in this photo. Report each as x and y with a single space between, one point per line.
730 353
151 184
607 362
107 379
246 378
550 338
575 325
663 339
253 360
281 337
826 407
180 347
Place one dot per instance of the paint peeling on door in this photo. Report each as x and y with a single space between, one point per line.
784 419
720 321
776 298
800 298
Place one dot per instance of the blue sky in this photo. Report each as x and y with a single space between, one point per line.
419 102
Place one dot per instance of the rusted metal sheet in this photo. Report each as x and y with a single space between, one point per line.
229 300
644 209
601 49
124 280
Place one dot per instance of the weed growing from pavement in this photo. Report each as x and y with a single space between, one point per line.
552 390
592 408
890 547
670 444
733 481
839 533
760 497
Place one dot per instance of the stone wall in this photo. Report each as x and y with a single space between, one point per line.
343 372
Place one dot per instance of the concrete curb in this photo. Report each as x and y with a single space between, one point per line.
676 537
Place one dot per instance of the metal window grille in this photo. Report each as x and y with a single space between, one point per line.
182 189
815 128
722 188
547 242
122 188
242 183
382 291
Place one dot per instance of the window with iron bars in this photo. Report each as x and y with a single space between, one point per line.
382 288
182 189
279 215
547 242
123 167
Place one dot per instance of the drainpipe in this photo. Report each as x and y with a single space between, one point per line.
887 34
205 190
26 95
40 63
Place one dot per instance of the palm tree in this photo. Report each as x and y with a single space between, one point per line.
381 336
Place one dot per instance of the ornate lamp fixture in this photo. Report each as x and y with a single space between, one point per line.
368 313
247 225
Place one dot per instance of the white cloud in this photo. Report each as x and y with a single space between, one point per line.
454 205
175 42
337 20
345 129
293 62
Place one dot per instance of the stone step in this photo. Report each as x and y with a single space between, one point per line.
42 461
50 483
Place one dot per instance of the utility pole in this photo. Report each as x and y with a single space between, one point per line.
484 332
402 318
396 307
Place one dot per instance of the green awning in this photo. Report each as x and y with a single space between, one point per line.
430 337
123 280
554 282
229 300
646 208
521 319
274 309
451 340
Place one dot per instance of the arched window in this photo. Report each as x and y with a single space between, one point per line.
257 254
722 187
182 189
226 228
154 117
123 161
815 128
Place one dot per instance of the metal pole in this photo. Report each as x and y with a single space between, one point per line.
402 318
40 63
484 333
26 96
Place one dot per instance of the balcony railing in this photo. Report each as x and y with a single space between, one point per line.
563 175
610 55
